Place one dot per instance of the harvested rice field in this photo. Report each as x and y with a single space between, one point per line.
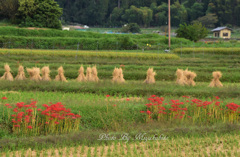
119 103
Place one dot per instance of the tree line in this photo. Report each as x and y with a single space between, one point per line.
115 13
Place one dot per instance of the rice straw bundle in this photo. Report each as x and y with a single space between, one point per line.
60 76
34 74
181 78
21 74
45 73
150 76
190 77
89 74
215 81
115 74
81 77
120 79
94 74
7 75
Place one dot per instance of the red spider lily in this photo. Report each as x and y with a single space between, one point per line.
127 99
153 96
142 111
107 96
56 122
46 122
217 103
9 107
114 105
7 104
233 106
29 110
217 97
70 114
45 105
148 112
74 118
162 112
13 115
78 116
20 104
14 121
29 127
17 126
39 109
4 98
186 96
182 113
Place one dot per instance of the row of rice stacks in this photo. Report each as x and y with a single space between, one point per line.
185 77
34 74
91 74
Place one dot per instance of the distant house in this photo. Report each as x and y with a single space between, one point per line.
222 32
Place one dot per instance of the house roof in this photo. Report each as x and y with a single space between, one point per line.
220 28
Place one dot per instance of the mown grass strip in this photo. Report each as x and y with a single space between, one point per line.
187 146
223 51
107 54
129 88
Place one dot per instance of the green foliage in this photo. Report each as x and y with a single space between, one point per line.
131 27
208 20
39 13
48 39
8 9
193 32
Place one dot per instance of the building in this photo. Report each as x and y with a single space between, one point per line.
222 32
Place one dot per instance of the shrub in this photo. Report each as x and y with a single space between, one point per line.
132 27
193 32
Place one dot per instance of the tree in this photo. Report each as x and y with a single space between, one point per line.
193 32
39 13
208 20
8 9
132 28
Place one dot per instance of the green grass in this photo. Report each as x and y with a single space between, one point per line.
128 88
113 115
204 50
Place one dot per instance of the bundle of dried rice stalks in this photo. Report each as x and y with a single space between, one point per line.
7 75
150 76
89 74
181 78
121 79
21 74
118 75
60 76
46 73
81 77
34 74
115 74
216 79
190 77
94 74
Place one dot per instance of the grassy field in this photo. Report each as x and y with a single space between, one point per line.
116 109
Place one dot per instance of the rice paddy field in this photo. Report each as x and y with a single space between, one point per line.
121 119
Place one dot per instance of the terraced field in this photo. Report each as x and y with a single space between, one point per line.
106 107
